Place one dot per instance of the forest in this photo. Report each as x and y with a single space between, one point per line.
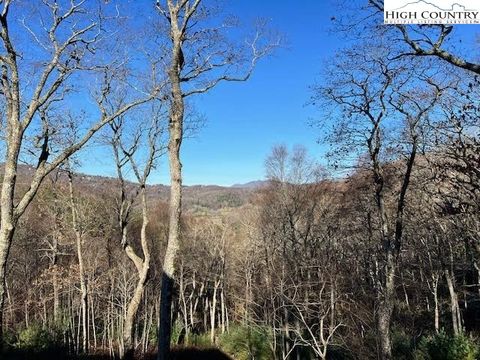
370 252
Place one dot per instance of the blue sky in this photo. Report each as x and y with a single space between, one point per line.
244 120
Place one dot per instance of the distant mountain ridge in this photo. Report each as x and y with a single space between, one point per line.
257 184
194 196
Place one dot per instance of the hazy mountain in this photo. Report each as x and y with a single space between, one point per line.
251 185
194 197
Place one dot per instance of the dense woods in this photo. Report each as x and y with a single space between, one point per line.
371 252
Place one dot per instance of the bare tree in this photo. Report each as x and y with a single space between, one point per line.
79 230
128 154
430 41
200 58
66 37
298 245
316 316
370 94
54 210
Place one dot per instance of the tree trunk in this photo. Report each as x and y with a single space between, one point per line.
7 224
175 140
54 261
83 282
213 310
386 283
384 316
435 300
183 301
224 310
6 236
131 315
56 299
92 314
143 270
455 309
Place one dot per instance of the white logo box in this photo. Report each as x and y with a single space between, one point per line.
432 11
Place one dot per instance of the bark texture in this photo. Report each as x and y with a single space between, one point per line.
175 128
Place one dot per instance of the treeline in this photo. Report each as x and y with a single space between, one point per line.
292 273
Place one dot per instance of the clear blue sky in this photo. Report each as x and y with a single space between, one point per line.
244 120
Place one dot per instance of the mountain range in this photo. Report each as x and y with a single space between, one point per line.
194 196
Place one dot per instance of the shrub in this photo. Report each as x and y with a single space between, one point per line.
35 338
338 353
9 340
444 347
153 335
176 333
245 343
401 345
200 340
